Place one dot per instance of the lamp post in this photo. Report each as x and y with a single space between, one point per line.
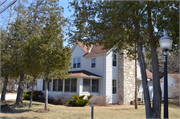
165 44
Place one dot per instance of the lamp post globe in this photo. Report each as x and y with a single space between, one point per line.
165 44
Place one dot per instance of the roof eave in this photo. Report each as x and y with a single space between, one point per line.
88 56
80 76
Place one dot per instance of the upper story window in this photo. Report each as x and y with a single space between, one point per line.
114 60
77 62
74 62
93 62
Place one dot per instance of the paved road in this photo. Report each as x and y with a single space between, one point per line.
10 96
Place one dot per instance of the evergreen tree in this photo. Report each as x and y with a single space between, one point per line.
55 58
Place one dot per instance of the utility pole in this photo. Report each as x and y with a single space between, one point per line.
135 80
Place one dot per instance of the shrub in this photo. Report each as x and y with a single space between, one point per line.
37 93
79 100
27 94
61 99
101 100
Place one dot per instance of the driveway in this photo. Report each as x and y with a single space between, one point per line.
10 96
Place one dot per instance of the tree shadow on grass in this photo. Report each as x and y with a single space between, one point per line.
19 118
17 111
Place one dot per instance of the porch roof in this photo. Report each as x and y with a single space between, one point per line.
84 74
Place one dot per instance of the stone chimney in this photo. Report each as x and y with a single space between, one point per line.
126 82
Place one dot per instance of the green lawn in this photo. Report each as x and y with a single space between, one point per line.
58 111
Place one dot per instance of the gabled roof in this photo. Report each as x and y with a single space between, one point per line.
91 50
82 73
175 76
84 47
96 50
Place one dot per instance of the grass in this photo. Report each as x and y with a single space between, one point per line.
59 111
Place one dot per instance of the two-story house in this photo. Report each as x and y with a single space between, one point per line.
97 71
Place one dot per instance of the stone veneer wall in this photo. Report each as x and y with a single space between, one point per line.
126 83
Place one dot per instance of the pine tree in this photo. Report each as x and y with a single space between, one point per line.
54 57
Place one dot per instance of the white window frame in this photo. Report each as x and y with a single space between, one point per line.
76 62
91 86
92 63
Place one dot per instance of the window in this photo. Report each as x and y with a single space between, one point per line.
77 62
86 85
113 86
90 85
70 85
67 85
95 83
60 85
93 63
55 84
74 62
49 85
73 85
43 84
114 60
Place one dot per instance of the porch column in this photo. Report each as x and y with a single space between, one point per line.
80 86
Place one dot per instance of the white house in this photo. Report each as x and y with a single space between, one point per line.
173 85
98 71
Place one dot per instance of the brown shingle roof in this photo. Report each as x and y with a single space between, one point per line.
82 73
96 49
84 47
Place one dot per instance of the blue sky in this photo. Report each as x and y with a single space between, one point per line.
67 13
63 3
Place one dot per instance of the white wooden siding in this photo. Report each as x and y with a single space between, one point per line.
111 73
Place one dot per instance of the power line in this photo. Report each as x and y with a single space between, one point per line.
3 2
7 6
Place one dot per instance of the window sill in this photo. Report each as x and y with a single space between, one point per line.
114 66
69 92
114 94
76 68
90 93
57 91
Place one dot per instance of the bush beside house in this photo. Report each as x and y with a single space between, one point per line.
79 100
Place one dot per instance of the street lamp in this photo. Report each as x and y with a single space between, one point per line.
165 44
